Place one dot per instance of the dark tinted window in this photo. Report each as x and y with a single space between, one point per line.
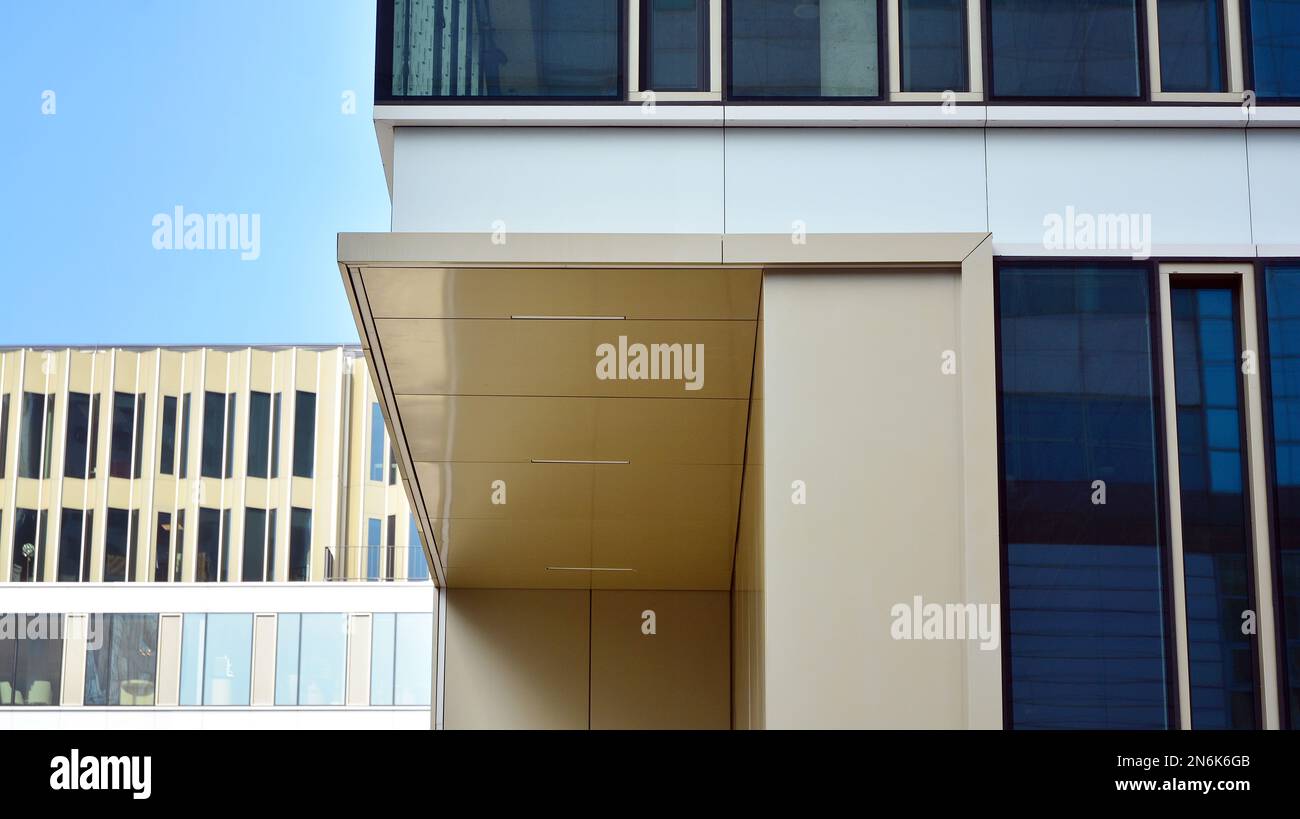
1275 47
34 443
300 544
304 434
121 659
1212 477
503 48
120 543
213 545
74 542
31 659
127 445
4 433
167 446
933 38
797 48
376 443
81 449
259 544
675 43
29 545
1282 301
1087 637
184 469
263 435
1064 48
218 426
163 549
1191 45
417 567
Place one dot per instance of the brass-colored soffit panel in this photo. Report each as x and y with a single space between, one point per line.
532 467
501 293
522 428
559 358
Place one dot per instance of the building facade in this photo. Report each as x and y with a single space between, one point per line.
998 302
190 527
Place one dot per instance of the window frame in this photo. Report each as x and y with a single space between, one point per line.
635 57
974 58
1240 276
1233 57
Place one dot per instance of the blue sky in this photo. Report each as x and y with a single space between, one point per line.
216 106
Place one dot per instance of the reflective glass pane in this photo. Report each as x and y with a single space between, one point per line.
413 665
382 637
1282 302
193 630
675 38
304 434
31 658
804 48
1216 537
933 45
1191 45
1081 483
1064 48
1275 47
417 565
121 659
322 661
287 634
504 48
228 659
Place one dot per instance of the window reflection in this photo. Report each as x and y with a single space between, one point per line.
228 659
505 48
1211 473
932 45
1191 45
804 49
1282 291
311 659
1275 48
1087 646
121 659
1064 48
31 657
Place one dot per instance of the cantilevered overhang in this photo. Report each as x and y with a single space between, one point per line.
529 469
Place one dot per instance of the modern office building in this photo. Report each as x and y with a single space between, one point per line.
852 363
203 536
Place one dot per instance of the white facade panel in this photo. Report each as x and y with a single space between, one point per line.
1275 185
1192 184
855 180
562 180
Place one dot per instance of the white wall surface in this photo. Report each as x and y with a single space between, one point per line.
1275 185
564 180
1192 182
855 180
1196 183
